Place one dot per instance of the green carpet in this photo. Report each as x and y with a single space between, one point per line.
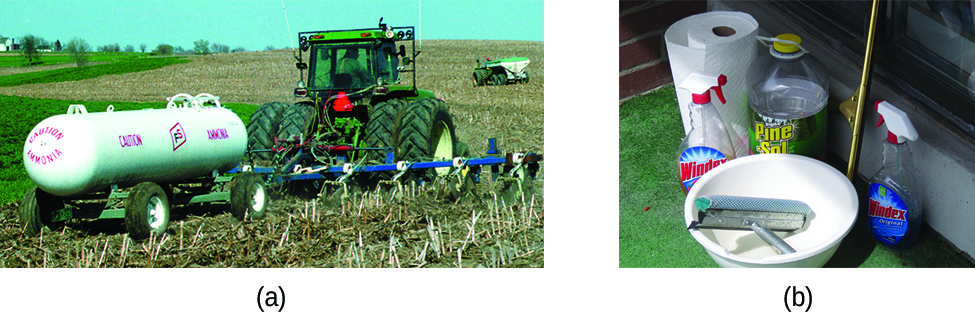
650 131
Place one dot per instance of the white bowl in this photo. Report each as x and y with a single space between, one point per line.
828 193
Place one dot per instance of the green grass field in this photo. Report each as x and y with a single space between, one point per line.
15 59
22 114
90 71
650 131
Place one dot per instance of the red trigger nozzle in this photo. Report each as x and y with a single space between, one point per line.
722 80
876 106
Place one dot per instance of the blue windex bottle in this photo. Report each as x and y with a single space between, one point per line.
895 199
708 143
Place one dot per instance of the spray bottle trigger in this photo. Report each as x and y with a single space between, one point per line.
876 106
722 80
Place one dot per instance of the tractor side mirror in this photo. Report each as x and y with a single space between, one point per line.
402 50
301 65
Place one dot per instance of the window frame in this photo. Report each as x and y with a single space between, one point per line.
897 60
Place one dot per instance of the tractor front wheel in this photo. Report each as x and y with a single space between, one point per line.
262 129
146 211
426 134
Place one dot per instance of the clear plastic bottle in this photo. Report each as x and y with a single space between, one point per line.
707 144
787 92
894 208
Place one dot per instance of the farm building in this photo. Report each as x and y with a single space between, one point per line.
7 44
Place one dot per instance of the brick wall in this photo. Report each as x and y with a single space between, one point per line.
643 52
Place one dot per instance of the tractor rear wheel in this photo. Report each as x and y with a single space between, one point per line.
481 76
426 134
36 212
296 123
262 129
146 211
382 131
248 196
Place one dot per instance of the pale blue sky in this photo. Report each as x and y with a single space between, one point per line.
255 24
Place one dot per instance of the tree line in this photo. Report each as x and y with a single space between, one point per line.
31 46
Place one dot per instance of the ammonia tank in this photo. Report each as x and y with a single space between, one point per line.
81 152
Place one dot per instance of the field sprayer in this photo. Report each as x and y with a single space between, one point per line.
135 165
361 127
500 72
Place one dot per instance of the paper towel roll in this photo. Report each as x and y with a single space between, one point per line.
720 43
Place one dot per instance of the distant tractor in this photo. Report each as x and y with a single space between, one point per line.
500 72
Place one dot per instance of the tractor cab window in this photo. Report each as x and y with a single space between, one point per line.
341 67
388 62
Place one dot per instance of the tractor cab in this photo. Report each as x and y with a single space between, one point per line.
361 63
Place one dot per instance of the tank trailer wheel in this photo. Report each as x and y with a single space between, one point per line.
248 197
262 129
427 133
36 211
146 211
526 78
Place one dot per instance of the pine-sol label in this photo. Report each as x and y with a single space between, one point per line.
802 136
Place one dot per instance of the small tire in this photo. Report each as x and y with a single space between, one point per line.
262 128
526 78
248 197
36 212
146 211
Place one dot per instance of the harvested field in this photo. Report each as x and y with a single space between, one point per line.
420 228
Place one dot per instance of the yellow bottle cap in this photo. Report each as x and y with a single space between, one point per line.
784 47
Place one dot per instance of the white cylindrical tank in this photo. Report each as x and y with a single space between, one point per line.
80 152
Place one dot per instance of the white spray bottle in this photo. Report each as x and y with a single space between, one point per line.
895 202
708 143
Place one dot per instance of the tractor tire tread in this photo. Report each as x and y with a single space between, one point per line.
263 127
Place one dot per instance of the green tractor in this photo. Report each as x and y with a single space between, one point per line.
357 111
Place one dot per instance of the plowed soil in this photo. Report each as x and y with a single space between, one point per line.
418 227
